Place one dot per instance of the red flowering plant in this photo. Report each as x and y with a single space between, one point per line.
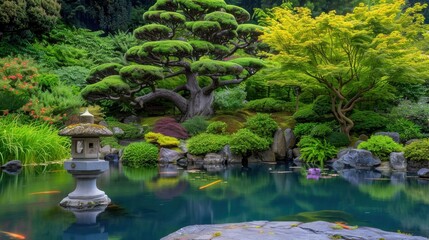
17 83
20 92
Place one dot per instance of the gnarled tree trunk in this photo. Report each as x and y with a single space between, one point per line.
199 104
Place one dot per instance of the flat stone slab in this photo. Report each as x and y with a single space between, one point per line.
283 230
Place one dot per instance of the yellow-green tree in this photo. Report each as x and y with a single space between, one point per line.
352 56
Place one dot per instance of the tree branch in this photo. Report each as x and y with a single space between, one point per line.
180 102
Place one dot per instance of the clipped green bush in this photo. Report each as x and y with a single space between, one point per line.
305 114
195 125
262 125
266 105
321 130
407 129
303 129
140 154
368 121
161 139
418 150
316 151
338 139
381 146
244 141
206 143
217 127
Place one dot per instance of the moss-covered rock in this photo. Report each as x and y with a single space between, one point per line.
153 32
101 71
214 67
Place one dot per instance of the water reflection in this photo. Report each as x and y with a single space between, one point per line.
151 203
86 226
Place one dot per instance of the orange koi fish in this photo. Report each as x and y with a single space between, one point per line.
210 184
342 225
45 192
13 235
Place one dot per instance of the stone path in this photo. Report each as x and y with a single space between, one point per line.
265 230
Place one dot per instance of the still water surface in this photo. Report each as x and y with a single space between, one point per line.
150 204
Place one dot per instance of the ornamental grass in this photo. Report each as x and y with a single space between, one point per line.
32 143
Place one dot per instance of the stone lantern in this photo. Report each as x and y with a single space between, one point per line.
85 165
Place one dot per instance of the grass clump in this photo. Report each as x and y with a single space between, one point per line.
31 143
217 127
195 125
315 151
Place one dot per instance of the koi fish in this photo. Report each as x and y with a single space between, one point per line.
13 235
342 225
45 192
210 184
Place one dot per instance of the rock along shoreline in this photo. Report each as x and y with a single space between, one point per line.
267 230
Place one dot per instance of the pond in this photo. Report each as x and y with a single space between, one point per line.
150 204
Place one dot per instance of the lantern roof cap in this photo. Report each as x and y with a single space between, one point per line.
86 128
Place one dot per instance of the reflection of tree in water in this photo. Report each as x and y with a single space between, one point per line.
381 190
140 174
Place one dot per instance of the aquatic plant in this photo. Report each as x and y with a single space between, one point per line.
31 143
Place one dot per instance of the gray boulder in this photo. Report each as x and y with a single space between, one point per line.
12 166
398 161
267 156
214 158
117 131
132 119
393 135
356 158
279 144
290 138
296 152
230 157
357 143
423 173
169 156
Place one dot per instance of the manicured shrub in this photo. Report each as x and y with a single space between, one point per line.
303 129
262 125
407 129
315 151
206 143
245 141
338 139
381 146
418 150
368 121
321 130
131 131
73 75
195 125
305 114
33 142
140 154
217 127
161 140
257 86
322 105
418 113
266 105
170 127
229 98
